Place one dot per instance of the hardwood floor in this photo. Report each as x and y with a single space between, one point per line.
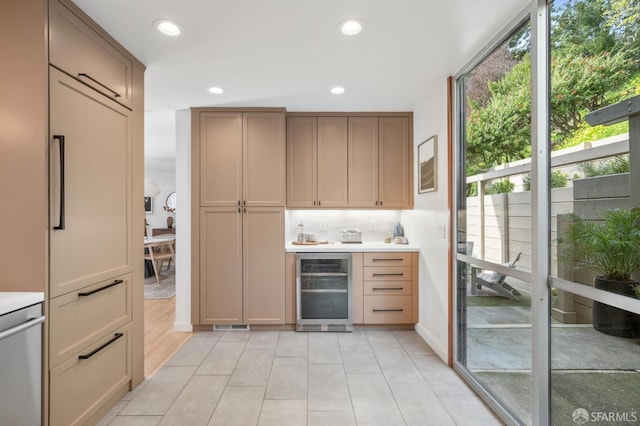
160 341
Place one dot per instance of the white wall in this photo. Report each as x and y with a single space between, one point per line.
166 180
429 219
183 221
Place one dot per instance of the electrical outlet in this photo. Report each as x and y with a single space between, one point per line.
442 231
372 225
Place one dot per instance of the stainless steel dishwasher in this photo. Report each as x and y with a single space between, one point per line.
21 364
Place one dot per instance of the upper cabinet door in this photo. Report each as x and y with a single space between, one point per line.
83 53
264 151
301 162
395 163
332 169
220 140
90 186
363 162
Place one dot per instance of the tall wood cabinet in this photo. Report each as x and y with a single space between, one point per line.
238 184
76 161
349 160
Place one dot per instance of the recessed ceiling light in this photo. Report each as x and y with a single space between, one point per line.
216 90
167 27
337 90
351 27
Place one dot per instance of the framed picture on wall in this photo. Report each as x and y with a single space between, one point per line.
427 167
148 204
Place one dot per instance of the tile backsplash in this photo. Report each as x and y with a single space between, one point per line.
375 225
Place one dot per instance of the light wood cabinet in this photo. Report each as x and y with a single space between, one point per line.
242 275
61 86
363 162
390 288
90 181
220 274
242 158
80 317
380 162
81 51
317 162
238 185
395 163
90 378
95 292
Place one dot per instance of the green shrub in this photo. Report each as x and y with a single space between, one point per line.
558 180
618 164
501 187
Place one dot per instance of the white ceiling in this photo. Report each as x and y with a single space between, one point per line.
289 53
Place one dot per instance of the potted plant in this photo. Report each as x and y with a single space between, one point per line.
611 249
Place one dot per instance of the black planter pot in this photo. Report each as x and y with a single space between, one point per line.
615 321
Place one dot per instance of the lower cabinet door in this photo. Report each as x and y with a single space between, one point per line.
82 384
387 309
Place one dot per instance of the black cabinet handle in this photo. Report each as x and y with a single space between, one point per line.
380 203
89 293
388 275
388 260
387 288
88 77
376 202
95 351
60 225
238 202
388 310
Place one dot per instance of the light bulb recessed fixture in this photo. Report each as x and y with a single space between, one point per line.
351 27
337 90
216 90
167 27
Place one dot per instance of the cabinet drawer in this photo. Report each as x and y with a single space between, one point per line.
384 288
387 259
79 387
78 319
387 309
80 51
387 273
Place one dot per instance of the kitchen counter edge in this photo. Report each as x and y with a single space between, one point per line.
13 300
338 247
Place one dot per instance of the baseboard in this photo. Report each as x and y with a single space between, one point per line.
183 326
431 341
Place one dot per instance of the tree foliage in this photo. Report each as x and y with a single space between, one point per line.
595 44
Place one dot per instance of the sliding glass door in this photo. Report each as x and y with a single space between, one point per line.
545 192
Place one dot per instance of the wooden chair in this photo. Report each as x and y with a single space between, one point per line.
157 253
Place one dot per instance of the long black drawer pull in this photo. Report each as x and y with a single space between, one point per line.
399 259
399 274
89 293
60 226
387 288
95 351
88 77
388 310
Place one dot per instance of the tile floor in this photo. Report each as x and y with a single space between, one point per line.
372 377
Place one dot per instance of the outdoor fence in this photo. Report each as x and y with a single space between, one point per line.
500 226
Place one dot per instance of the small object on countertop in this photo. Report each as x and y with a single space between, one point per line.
309 243
299 231
398 230
351 236
387 239
401 240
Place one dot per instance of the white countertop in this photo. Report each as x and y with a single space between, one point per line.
13 300
334 247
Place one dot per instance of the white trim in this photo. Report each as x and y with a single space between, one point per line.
183 326
433 342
